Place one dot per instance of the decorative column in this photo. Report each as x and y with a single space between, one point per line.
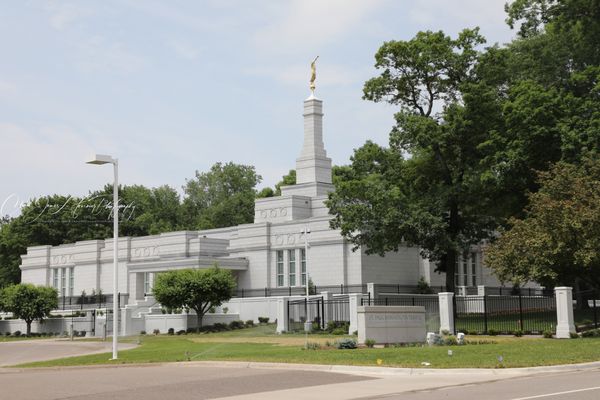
564 312
354 303
446 311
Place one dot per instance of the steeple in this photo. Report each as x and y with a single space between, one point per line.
313 165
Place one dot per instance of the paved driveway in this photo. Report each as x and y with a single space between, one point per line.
19 352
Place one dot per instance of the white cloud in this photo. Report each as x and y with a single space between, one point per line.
183 49
98 54
309 24
63 14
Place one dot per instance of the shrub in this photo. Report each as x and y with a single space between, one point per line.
221 326
181 332
263 320
492 332
346 344
547 334
370 343
17 333
156 331
574 335
142 332
337 326
171 331
450 340
190 330
591 333
250 323
518 333
225 310
445 332
236 325
339 331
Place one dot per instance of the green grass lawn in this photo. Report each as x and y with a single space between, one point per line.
261 344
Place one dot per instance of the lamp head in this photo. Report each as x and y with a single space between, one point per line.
100 159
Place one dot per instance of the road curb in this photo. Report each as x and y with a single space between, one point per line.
393 371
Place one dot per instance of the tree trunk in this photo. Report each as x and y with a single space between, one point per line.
198 321
28 327
449 264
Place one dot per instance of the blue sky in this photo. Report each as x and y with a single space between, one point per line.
171 87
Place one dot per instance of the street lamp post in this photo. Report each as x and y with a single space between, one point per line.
308 323
101 159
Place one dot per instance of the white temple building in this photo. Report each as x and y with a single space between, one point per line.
264 255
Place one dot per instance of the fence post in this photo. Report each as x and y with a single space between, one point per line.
371 289
521 325
481 290
327 297
283 319
354 302
595 312
485 321
446 311
564 312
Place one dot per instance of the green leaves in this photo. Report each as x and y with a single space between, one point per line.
29 302
197 289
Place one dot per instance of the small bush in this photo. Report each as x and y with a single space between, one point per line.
142 332
338 326
220 326
339 331
574 335
171 331
492 332
346 344
156 331
370 343
263 320
181 332
445 332
250 323
450 340
225 310
236 325
518 333
591 333
17 333
547 334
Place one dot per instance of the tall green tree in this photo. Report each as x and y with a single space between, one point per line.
436 197
558 240
222 197
196 289
29 302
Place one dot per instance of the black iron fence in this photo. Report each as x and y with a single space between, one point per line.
299 290
586 309
408 289
90 302
504 314
430 302
317 310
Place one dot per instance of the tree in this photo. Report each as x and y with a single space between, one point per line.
222 197
435 199
29 302
196 289
557 241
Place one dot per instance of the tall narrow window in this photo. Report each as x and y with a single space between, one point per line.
147 288
292 267
55 278
303 266
465 274
280 276
63 282
474 269
71 280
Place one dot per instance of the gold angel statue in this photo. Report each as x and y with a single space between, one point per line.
313 74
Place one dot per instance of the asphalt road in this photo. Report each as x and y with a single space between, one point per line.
582 385
20 352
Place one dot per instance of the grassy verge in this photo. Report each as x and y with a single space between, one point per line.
260 344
